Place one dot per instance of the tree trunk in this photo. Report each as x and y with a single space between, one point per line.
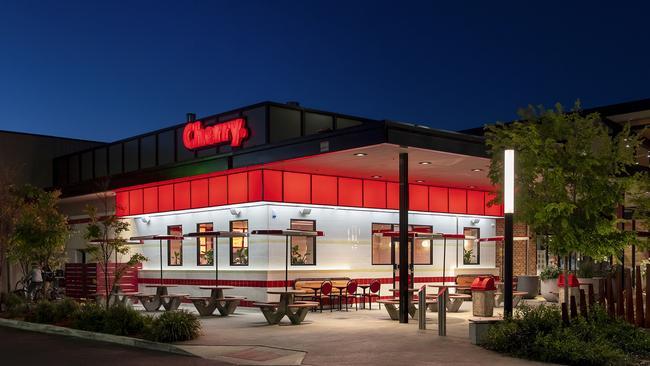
566 280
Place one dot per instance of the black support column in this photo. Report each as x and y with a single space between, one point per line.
507 265
404 295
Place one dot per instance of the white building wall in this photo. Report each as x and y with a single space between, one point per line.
344 251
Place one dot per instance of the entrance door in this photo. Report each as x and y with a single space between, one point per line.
394 244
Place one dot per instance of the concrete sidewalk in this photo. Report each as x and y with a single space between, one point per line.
341 338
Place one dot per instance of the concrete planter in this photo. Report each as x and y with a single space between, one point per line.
549 286
528 284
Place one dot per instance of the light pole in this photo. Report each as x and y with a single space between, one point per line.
508 210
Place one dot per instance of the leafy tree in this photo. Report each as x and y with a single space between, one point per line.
104 234
571 175
41 231
9 207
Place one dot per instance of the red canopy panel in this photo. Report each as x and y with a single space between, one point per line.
288 232
157 237
213 234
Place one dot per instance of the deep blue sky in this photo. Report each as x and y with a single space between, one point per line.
109 70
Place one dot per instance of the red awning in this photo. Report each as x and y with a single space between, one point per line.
157 237
288 232
216 234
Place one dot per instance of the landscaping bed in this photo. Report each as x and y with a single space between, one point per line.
596 339
172 326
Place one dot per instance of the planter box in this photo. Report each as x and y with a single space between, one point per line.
549 286
528 284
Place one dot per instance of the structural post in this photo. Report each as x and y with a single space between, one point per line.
404 295
508 209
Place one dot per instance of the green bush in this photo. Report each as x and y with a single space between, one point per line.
174 326
90 317
65 309
538 333
44 312
16 306
550 273
122 320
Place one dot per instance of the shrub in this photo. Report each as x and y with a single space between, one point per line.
89 317
549 273
538 333
174 326
122 320
16 306
44 312
65 309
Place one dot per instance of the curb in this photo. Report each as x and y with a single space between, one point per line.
102 337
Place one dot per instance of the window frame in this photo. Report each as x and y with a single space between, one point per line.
395 227
478 246
198 245
169 247
291 221
246 241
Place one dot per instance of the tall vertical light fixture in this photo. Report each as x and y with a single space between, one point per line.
508 210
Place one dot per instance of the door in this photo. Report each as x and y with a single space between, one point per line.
394 244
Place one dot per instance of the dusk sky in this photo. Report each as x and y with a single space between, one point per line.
109 70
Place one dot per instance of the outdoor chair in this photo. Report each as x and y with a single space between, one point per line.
351 293
373 291
324 293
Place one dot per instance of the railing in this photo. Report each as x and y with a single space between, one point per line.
443 297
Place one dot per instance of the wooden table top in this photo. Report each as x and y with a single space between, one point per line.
161 286
216 287
288 291
442 285
312 286
363 286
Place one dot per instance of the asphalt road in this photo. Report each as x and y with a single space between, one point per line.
19 347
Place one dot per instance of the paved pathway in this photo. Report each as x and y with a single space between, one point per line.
19 347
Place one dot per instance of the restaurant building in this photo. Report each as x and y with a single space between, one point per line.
279 166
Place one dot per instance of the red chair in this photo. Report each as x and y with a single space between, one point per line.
351 293
324 293
374 290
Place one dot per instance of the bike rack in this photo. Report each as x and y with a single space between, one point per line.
422 308
443 296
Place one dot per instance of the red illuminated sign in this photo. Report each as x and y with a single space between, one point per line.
233 131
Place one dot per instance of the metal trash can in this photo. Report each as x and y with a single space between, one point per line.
483 291
574 290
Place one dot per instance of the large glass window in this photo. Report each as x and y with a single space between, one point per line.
284 124
381 245
239 246
148 151
115 159
303 248
131 158
205 246
471 246
175 247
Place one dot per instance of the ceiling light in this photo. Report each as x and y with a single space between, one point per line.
477 170
471 187
376 176
425 163
360 154
419 181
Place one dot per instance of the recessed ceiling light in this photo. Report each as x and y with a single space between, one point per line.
360 154
471 187
419 181
376 176
477 170
425 163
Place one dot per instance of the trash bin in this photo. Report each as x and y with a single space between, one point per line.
574 289
483 290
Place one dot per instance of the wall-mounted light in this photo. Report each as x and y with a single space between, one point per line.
145 219
509 181
475 221
235 212
304 211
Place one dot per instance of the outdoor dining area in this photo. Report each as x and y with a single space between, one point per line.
301 296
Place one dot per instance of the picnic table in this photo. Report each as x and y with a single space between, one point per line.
226 305
454 301
392 305
294 310
162 297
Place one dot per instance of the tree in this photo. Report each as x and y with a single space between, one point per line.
571 175
41 231
9 206
104 234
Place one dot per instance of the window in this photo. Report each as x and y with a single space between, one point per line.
205 246
239 246
303 248
472 247
175 247
381 245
